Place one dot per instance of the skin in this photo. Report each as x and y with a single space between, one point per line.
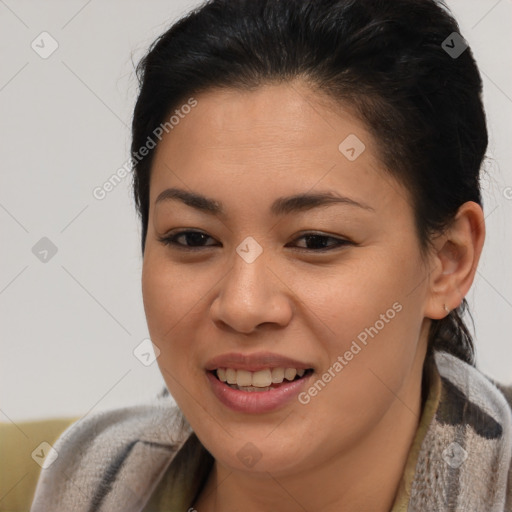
346 449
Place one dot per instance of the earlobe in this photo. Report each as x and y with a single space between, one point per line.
455 260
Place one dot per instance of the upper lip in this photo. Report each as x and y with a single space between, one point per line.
254 362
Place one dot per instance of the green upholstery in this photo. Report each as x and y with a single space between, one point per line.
19 472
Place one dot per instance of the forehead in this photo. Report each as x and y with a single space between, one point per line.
288 114
278 138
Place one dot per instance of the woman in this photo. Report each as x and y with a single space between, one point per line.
307 175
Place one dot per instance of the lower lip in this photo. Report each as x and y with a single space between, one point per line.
256 401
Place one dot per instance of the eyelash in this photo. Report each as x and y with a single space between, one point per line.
170 240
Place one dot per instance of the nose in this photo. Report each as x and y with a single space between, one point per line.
252 295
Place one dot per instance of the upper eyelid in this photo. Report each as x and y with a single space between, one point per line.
302 234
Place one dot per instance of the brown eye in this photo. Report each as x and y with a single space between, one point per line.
319 242
195 238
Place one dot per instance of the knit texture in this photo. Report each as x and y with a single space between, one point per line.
130 459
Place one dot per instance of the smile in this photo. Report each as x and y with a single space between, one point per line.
243 396
262 380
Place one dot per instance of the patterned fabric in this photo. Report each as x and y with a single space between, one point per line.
140 459
465 460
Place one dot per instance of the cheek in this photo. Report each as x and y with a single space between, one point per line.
174 302
169 294
164 294
371 315
168 301
156 299
354 295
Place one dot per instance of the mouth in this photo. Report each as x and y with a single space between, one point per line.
256 392
259 381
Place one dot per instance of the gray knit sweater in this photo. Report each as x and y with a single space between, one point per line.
136 459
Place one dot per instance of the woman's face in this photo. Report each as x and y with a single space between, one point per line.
255 296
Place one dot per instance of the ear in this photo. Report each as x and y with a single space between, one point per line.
454 260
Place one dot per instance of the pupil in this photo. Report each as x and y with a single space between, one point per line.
321 241
196 237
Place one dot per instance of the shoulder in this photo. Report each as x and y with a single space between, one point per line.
112 459
476 400
494 398
506 390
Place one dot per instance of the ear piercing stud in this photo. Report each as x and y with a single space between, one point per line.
445 308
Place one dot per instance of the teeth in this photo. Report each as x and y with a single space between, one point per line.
277 375
221 373
251 388
230 376
257 381
261 379
289 373
243 378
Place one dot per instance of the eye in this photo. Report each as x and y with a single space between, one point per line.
196 239
319 242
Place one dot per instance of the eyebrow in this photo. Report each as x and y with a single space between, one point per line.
281 206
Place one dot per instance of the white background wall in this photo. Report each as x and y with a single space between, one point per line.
69 326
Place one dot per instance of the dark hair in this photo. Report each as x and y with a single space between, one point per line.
384 59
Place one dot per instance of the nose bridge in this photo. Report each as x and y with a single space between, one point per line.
250 293
249 250
249 276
